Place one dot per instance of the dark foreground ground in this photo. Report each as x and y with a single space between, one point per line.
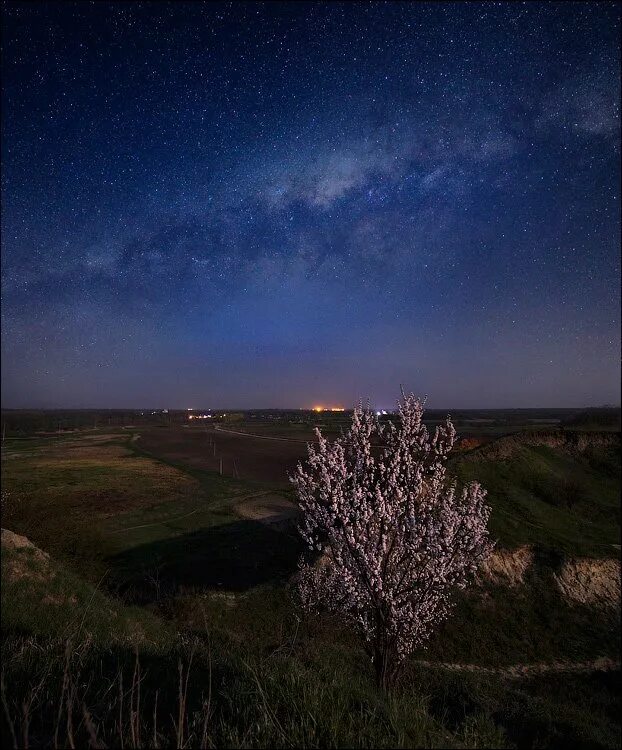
156 607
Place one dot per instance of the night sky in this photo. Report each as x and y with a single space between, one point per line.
282 204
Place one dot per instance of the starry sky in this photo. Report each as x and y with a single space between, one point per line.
282 204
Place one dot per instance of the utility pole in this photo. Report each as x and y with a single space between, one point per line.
221 467
3 431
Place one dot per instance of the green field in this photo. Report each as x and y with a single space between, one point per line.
153 573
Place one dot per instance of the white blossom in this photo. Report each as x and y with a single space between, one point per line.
397 536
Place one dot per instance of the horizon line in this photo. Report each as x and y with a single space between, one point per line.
290 408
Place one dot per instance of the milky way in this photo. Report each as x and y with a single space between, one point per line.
278 204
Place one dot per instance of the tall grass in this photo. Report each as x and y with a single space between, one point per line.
75 694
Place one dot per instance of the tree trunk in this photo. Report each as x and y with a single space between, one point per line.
386 668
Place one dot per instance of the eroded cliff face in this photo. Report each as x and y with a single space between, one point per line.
564 440
581 581
507 567
587 581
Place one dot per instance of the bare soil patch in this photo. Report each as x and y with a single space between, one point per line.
507 567
10 540
20 566
594 582
268 509
581 581
603 664
243 456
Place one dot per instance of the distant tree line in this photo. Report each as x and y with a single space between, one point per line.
599 416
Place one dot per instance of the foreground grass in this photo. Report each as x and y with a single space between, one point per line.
218 655
80 667
225 702
200 691
224 669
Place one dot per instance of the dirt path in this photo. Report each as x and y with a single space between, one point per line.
603 664
271 510
21 454
312 439
263 437
185 515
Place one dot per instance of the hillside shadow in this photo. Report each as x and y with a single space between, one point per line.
235 557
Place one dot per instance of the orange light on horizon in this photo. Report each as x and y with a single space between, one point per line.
328 408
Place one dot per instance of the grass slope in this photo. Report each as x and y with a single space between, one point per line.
551 497
217 617
42 597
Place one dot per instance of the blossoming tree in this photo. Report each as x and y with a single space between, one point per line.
396 536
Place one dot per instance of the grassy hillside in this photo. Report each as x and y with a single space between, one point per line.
161 610
258 677
44 598
559 493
